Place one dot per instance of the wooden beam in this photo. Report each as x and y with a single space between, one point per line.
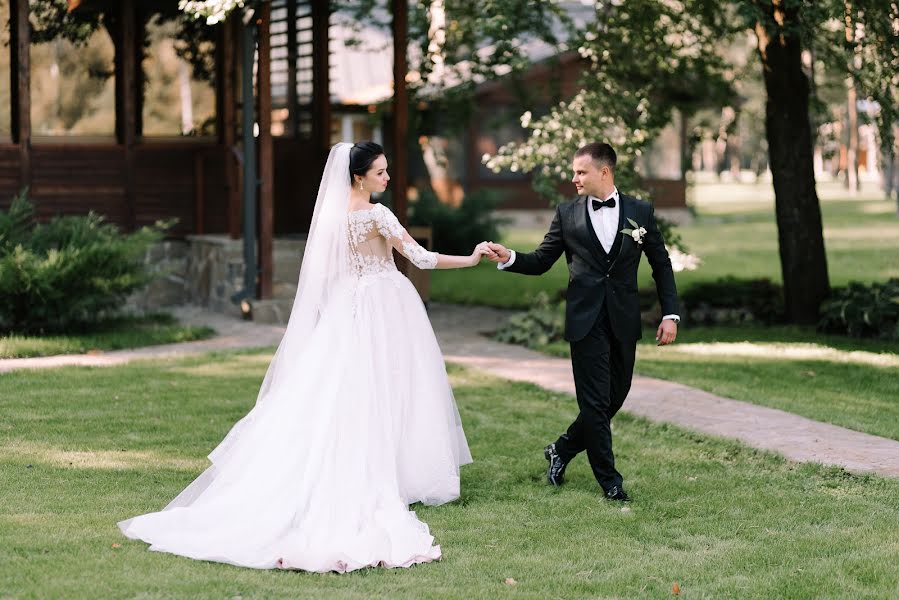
293 118
321 93
20 86
266 170
400 158
199 192
127 105
226 115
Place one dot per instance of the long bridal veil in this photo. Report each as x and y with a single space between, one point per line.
325 264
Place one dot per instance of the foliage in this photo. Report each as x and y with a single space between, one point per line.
733 300
213 11
51 19
68 272
457 230
863 310
626 96
542 324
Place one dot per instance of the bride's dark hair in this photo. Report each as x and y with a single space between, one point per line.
362 154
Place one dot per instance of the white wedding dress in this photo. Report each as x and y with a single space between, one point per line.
355 419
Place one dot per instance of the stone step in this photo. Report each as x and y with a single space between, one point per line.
274 312
282 290
287 268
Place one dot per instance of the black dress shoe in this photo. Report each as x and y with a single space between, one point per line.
617 493
555 474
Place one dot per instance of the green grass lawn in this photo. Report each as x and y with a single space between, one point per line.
84 448
734 233
113 334
849 382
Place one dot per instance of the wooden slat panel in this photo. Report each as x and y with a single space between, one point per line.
10 173
71 181
78 179
164 186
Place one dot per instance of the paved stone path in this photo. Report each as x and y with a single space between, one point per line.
460 332
232 334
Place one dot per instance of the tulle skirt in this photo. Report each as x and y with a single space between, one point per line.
319 475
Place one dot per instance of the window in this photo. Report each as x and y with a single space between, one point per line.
73 87
177 101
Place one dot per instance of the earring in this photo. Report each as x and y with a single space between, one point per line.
360 187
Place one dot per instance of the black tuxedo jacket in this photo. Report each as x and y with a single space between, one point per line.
595 277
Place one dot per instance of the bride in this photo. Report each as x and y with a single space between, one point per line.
355 419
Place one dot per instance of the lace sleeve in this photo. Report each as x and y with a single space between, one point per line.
389 227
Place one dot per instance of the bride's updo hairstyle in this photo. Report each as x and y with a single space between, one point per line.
362 154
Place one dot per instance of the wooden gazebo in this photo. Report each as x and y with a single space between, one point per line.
240 185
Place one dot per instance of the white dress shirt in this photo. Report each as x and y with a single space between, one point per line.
605 224
605 220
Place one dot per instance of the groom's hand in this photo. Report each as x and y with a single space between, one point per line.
500 254
666 333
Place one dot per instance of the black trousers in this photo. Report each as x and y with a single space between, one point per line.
603 369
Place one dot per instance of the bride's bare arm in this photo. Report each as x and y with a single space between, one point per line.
450 261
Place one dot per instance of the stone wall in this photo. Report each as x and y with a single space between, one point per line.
203 269
215 272
170 260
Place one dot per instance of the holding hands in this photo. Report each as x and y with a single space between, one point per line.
494 252
498 253
482 249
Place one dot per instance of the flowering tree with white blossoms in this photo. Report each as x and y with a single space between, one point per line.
214 11
666 52
645 58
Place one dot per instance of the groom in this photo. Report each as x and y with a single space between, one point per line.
602 320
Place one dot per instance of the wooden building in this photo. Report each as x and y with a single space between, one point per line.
135 179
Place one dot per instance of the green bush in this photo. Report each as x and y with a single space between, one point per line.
863 310
542 324
457 230
733 300
69 272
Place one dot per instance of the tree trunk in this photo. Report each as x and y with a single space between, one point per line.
800 235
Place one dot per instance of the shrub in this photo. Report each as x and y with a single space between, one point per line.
69 272
863 310
732 300
457 230
541 324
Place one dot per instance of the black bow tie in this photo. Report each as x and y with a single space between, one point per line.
610 203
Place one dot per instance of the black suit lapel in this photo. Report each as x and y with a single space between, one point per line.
626 211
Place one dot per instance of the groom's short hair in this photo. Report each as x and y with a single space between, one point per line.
600 152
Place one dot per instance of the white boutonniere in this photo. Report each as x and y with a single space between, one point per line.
637 232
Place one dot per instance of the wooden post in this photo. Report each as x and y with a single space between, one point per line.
292 101
400 158
249 178
127 105
266 170
20 86
321 93
199 192
226 111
